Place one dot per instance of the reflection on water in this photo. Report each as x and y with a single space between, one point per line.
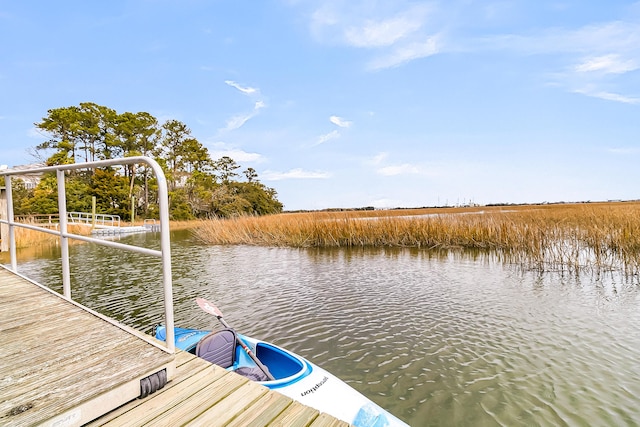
437 339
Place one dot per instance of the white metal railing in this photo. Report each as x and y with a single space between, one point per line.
165 245
151 225
88 218
81 218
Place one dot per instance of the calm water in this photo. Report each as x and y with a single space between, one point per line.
437 340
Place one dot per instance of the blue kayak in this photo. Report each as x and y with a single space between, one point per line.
293 375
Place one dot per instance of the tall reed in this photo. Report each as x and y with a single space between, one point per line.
26 237
559 237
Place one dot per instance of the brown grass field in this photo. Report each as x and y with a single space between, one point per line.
573 237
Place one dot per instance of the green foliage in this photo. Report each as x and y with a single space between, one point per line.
45 197
261 199
78 190
199 187
20 195
178 206
112 193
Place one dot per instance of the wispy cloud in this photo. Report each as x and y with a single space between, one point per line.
596 60
294 174
608 64
394 36
334 134
339 121
594 92
383 32
406 53
236 154
378 158
238 120
244 89
601 56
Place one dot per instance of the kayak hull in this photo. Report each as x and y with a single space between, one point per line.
301 380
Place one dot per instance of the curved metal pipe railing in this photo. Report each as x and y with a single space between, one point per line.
165 245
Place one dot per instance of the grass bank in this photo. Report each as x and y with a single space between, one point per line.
542 237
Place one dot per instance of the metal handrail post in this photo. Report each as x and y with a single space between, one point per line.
64 241
12 232
165 248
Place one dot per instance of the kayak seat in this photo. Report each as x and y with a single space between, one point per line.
218 348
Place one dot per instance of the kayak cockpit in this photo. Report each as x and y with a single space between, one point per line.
284 366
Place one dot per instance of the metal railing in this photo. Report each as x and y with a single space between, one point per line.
165 245
83 218
88 218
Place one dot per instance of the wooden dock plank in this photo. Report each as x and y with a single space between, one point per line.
200 401
296 415
228 409
57 358
262 411
325 420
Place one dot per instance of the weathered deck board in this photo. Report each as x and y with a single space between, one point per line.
262 411
61 361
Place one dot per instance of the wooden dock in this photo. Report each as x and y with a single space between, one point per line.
64 365
61 364
203 394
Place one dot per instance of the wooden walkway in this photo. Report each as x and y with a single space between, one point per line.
62 365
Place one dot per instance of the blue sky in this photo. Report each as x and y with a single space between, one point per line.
356 102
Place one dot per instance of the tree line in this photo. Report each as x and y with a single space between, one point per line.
199 187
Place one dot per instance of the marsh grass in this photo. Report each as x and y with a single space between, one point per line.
26 237
571 237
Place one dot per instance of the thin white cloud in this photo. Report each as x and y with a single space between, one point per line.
616 37
244 89
384 32
237 155
395 33
237 121
297 173
339 121
406 53
607 96
598 58
334 134
379 158
601 54
609 64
